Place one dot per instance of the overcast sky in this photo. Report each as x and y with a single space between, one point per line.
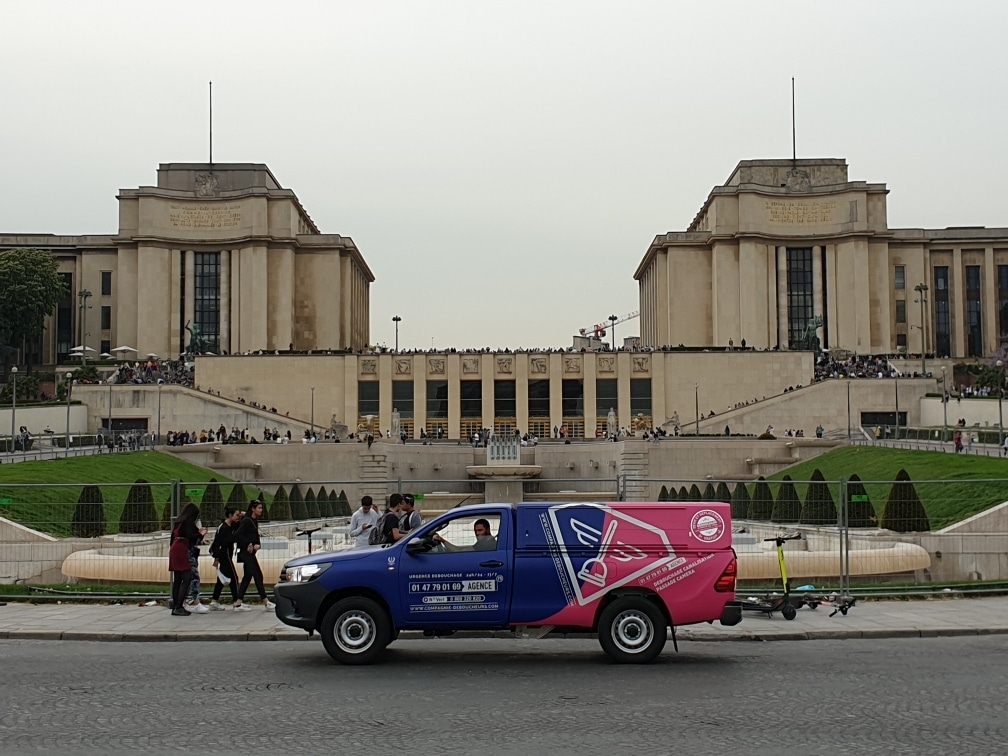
503 166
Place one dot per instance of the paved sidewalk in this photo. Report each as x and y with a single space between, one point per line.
868 619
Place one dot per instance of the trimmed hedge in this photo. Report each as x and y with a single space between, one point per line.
663 494
311 505
297 505
903 511
212 507
89 514
325 509
237 498
819 509
139 515
281 505
709 495
787 508
343 505
722 494
740 502
761 506
860 514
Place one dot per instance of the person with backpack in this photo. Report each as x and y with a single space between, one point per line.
388 527
409 518
222 550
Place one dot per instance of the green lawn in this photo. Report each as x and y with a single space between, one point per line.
969 484
48 505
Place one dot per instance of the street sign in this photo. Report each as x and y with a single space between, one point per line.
859 497
5 501
194 492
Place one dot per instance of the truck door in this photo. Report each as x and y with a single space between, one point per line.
465 578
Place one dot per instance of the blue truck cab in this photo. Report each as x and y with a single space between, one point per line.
626 571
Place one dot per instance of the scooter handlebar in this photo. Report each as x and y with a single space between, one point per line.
789 537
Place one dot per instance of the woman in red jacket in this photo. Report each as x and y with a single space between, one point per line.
185 535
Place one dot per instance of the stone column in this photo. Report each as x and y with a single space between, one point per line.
957 294
991 328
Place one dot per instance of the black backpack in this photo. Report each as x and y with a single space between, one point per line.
376 537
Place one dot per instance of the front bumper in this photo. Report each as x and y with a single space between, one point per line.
297 604
730 615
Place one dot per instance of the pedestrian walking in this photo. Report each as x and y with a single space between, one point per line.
363 522
222 550
247 540
184 537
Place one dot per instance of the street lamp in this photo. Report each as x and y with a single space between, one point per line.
945 398
84 294
848 408
158 440
13 405
613 319
111 434
1000 367
397 320
313 410
67 439
922 289
696 402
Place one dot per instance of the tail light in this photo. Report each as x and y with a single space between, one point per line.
726 583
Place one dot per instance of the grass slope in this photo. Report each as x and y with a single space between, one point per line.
48 504
971 484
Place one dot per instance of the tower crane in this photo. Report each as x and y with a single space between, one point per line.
598 330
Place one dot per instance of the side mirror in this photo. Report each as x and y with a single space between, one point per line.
416 546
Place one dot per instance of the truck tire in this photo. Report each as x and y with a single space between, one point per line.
632 630
356 630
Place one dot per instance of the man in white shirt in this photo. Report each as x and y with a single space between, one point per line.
362 521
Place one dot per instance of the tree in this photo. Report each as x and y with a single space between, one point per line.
819 509
860 512
683 493
297 505
740 502
30 289
722 495
212 508
139 515
903 511
89 514
311 505
281 505
787 508
325 508
343 505
334 500
761 506
709 494
236 498
694 493
663 494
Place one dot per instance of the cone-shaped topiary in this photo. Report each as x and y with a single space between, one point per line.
708 493
787 508
139 515
166 518
722 495
325 510
237 498
761 506
683 493
89 514
343 510
212 506
860 512
311 505
297 505
663 494
334 501
262 497
740 502
819 507
281 505
903 511
694 493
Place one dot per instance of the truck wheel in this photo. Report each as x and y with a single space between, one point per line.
632 630
355 630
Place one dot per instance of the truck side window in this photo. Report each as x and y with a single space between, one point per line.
470 533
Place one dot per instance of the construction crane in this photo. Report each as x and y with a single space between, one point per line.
598 330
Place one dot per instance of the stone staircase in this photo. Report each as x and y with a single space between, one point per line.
635 468
374 472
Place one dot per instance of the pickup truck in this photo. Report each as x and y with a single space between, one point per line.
626 571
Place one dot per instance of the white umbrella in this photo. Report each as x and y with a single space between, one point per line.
105 355
124 349
82 349
152 355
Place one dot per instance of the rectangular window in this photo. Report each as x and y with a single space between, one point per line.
606 397
437 400
64 320
943 323
799 295
367 398
206 303
901 341
538 399
1002 274
974 313
106 318
504 398
471 399
640 398
901 311
106 283
900 277
106 346
402 398
573 398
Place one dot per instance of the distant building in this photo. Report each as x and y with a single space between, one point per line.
222 247
784 241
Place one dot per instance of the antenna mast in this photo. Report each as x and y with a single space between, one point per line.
794 148
211 123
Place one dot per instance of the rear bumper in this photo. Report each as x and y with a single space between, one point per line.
730 615
297 604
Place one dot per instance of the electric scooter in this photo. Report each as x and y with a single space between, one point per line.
775 602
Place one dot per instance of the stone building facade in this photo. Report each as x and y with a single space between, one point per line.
785 241
219 247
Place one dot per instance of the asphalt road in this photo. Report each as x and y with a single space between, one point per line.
495 696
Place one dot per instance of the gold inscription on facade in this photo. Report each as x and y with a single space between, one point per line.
205 215
779 211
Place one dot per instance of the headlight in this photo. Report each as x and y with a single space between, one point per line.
305 572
